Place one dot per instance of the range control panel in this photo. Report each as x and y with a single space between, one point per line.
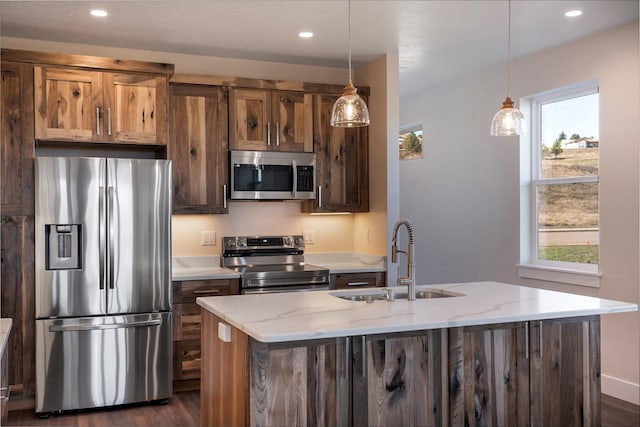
249 243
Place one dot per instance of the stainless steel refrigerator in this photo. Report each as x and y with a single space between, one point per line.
103 282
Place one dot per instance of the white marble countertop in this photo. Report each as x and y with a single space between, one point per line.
200 268
314 315
208 267
5 329
347 262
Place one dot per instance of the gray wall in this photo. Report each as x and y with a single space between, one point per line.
463 196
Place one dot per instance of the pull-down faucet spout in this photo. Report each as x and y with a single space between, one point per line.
409 281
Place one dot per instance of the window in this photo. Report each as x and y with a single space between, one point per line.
410 142
560 232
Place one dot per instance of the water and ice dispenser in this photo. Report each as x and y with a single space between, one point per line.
63 246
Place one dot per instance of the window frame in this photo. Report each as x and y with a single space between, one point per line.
530 265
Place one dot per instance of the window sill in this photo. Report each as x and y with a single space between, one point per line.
560 275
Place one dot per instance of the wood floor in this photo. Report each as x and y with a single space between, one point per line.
184 411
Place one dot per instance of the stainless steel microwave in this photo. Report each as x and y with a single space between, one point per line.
272 175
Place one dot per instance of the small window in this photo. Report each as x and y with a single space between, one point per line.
410 142
562 229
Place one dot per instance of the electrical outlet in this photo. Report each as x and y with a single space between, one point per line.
208 238
309 236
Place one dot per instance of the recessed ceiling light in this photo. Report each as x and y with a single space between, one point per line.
98 12
305 34
573 13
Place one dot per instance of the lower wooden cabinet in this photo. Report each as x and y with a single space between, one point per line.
187 327
358 280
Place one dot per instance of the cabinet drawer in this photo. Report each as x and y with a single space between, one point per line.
186 359
187 291
186 322
357 280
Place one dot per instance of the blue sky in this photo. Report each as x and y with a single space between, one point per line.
575 115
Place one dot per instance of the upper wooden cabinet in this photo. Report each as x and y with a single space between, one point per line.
271 120
198 146
94 106
342 163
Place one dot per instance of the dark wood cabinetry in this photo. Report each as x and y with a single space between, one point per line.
17 221
357 280
271 120
198 147
97 106
187 322
342 163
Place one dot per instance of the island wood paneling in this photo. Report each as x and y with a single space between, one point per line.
565 372
403 380
224 389
198 147
489 375
293 385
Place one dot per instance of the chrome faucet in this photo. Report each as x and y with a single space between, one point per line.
409 281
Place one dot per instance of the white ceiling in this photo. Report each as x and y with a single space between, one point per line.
435 40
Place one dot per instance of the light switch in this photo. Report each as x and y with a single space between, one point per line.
208 238
309 236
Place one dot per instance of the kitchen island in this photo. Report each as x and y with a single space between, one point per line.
492 354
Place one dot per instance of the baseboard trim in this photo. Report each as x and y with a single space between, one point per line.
620 389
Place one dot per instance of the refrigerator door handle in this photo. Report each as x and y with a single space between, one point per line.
83 327
111 244
102 237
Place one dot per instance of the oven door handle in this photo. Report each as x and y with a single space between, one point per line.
272 290
262 283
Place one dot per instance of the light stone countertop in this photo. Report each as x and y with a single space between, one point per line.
200 268
208 267
5 329
298 316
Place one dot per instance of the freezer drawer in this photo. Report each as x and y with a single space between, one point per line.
102 361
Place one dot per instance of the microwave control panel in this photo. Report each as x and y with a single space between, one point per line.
305 178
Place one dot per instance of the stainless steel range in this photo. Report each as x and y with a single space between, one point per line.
272 264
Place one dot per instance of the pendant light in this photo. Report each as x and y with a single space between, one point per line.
350 110
508 120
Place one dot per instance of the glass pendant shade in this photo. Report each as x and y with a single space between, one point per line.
350 110
508 120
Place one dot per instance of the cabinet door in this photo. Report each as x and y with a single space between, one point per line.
342 163
135 108
68 104
402 385
198 147
16 142
565 372
489 375
250 123
293 117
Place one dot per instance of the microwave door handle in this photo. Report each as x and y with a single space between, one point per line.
295 178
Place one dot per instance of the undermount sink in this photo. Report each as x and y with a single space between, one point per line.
391 294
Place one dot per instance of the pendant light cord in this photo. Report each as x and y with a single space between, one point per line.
349 15
509 54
